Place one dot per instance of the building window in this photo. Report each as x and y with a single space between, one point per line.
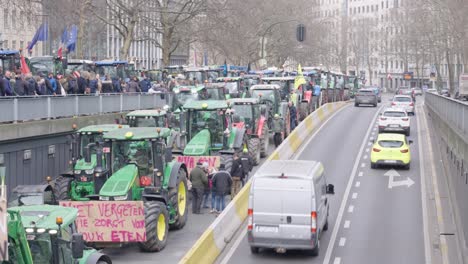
13 19
396 64
21 19
367 9
13 44
5 44
22 45
6 23
395 4
391 64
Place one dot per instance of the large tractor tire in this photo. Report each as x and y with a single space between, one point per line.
264 141
303 111
62 188
157 227
227 160
179 200
254 150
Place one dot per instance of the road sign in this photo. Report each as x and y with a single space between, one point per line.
391 174
408 76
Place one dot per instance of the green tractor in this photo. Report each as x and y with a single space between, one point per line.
46 234
84 178
210 131
270 94
252 116
142 169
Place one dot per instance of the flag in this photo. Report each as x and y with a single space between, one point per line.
72 36
42 34
299 80
248 67
63 40
225 72
24 65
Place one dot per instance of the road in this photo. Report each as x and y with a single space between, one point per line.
178 241
369 222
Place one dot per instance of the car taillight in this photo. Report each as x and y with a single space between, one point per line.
145 181
383 118
313 223
250 219
404 151
393 103
375 149
405 119
412 104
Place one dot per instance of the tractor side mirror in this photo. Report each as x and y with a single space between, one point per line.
330 189
77 245
87 152
410 142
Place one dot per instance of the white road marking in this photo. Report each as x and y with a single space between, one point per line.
365 156
367 149
373 133
347 223
363 165
342 242
369 144
337 260
236 244
375 129
351 209
360 174
354 195
358 183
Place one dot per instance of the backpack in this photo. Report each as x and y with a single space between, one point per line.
73 86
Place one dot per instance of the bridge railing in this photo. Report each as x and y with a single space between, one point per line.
453 112
15 109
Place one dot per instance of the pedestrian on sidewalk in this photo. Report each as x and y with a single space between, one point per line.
222 182
237 172
199 181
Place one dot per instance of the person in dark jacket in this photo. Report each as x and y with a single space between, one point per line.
237 173
48 85
21 87
222 182
292 115
199 181
2 86
53 84
32 84
247 164
133 86
7 89
145 84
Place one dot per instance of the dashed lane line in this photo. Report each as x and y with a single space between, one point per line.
360 174
358 183
337 260
342 242
354 196
363 165
351 209
347 223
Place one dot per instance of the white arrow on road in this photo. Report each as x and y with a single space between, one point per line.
392 183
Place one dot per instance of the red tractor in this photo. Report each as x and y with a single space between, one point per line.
250 114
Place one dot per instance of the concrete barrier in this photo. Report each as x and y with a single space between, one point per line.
210 245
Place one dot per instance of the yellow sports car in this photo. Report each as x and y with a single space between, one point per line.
391 149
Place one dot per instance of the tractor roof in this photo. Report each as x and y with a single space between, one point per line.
251 76
100 128
229 79
281 79
187 88
206 105
138 133
44 216
110 63
244 101
144 113
8 52
265 87
78 61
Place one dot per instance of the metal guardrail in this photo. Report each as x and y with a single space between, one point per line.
14 109
453 112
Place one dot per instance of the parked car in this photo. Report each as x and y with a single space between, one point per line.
417 91
431 90
445 92
365 96
288 206
404 101
394 120
391 149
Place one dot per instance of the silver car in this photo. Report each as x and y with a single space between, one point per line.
288 206
366 96
404 101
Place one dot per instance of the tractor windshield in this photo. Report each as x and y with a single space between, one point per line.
194 75
136 152
233 87
87 138
212 75
21 199
184 97
264 95
212 120
113 71
212 94
148 121
41 248
244 112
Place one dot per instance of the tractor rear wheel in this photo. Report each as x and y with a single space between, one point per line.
157 227
303 111
227 161
62 188
254 150
179 200
264 141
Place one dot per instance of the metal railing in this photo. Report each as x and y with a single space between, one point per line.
14 109
453 112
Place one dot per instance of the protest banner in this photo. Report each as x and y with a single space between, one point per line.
191 161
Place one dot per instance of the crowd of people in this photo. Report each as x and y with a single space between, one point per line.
218 183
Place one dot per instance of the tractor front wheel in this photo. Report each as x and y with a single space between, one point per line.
227 161
254 150
179 200
303 111
62 188
157 227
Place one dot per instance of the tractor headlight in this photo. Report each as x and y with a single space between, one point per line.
159 174
120 198
29 230
90 171
53 232
77 171
40 230
103 198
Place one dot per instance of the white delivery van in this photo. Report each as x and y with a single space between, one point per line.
288 206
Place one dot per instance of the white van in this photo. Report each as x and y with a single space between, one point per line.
288 206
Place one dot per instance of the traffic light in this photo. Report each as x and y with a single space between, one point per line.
300 33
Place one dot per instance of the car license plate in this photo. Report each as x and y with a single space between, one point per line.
84 178
390 161
267 229
394 126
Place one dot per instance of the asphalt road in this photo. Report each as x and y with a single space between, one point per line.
178 241
369 222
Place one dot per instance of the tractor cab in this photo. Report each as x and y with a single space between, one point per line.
234 85
214 91
267 94
246 112
46 64
183 94
286 85
10 60
150 118
250 80
80 65
111 73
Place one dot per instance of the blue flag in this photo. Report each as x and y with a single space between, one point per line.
64 36
42 34
225 71
72 36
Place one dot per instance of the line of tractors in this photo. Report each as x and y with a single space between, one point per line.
144 161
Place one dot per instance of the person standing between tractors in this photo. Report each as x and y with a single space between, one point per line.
292 115
247 164
237 173
221 183
277 130
199 181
